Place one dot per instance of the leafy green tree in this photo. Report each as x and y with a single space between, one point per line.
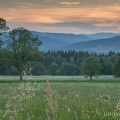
116 68
102 71
71 61
78 61
113 58
69 69
59 60
12 71
38 69
21 47
108 68
111 53
48 59
91 66
53 68
3 26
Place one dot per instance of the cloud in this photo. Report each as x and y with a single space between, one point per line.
26 4
69 3
72 19
58 15
66 27
48 0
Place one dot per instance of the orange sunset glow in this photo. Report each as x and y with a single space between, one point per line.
62 16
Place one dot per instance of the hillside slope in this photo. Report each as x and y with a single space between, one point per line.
100 45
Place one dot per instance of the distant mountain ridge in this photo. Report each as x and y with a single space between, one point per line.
102 35
70 38
99 45
55 41
98 42
58 41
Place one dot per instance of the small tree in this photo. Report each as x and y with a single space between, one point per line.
108 68
53 68
21 47
71 61
116 68
38 69
69 69
91 66
59 60
48 59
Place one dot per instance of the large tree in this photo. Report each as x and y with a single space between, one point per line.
116 68
91 66
21 47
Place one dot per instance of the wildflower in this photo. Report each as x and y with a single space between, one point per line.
82 110
96 110
68 109
76 95
118 105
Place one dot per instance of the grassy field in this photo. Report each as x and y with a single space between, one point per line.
79 100
101 78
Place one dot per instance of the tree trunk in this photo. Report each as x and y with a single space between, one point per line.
21 75
91 77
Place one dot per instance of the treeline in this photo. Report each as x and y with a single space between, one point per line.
20 54
62 63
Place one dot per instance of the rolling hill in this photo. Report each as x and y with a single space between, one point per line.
64 37
99 45
58 41
102 35
63 41
55 41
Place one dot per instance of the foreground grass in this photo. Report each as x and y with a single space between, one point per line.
60 101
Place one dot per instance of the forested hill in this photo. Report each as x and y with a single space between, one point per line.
64 37
99 46
63 41
102 35
55 41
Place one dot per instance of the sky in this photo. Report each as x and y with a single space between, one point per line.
62 16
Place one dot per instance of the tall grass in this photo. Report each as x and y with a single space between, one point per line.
32 101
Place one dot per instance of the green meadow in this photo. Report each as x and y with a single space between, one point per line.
59 98
81 78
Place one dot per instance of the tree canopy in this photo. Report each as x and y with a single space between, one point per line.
116 68
91 66
69 69
53 68
22 46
